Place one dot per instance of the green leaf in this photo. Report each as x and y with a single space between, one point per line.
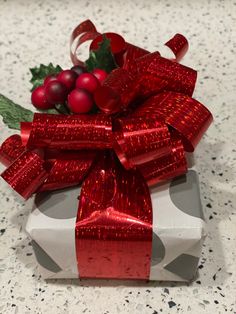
62 108
13 114
49 111
102 58
39 73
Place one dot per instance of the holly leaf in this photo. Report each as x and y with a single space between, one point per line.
61 108
101 58
39 73
13 114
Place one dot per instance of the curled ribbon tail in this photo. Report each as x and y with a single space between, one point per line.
85 31
178 45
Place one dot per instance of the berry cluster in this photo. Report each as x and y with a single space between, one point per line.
74 88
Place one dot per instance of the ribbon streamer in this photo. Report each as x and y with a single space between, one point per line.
114 223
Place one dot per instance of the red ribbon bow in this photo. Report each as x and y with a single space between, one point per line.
148 120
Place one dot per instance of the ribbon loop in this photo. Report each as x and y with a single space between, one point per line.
166 167
178 78
68 169
140 139
186 115
27 173
64 168
11 149
71 132
131 54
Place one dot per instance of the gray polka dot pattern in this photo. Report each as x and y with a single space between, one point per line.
158 249
62 204
184 193
184 266
44 259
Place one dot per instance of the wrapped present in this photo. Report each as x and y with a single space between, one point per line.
114 197
176 239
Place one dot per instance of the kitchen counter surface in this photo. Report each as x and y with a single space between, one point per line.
33 32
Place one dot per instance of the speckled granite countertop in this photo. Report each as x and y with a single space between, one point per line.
37 31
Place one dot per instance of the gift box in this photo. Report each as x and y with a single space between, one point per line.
177 235
113 196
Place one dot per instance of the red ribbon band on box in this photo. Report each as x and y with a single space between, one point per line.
147 122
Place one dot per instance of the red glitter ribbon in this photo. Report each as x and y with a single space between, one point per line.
184 114
11 149
140 139
27 173
114 223
85 31
117 92
179 46
71 132
147 122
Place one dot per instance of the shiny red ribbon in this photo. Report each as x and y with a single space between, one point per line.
147 122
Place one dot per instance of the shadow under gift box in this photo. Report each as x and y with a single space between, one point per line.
178 230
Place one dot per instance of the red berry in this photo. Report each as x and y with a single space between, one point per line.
39 100
68 78
80 101
79 69
56 92
87 81
48 79
100 74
